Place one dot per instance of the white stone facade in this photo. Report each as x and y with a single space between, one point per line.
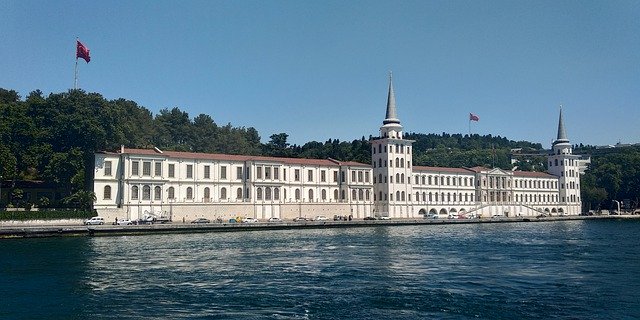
185 186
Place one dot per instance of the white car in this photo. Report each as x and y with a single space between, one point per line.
250 220
275 219
384 218
320 218
124 222
94 221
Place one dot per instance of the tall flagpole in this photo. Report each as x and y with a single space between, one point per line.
75 81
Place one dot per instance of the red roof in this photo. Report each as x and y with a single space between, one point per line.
242 158
443 169
531 174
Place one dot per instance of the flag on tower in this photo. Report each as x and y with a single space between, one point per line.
82 51
473 117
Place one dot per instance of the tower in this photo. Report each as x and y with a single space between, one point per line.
564 165
391 157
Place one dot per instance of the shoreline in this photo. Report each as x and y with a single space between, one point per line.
39 231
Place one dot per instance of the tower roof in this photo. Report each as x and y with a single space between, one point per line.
562 133
392 114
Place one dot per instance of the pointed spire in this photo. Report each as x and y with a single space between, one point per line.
562 133
392 116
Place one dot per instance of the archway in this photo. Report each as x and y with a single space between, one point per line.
444 212
422 212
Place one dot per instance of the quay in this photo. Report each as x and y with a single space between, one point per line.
36 231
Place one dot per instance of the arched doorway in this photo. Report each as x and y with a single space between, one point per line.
422 212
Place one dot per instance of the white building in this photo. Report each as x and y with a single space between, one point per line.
184 185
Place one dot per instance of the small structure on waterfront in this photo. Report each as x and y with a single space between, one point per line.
132 183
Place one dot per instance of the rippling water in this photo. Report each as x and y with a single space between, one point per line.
563 270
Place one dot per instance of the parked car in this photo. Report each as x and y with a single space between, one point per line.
94 221
123 222
320 218
296 219
275 219
201 220
384 218
369 218
250 220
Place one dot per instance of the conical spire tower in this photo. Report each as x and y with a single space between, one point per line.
392 113
562 133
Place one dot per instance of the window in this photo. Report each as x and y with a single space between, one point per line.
239 191
207 194
360 194
189 193
368 195
324 194
276 194
323 176
258 172
157 193
146 193
267 173
107 192
353 176
172 170
335 176
359 176
354 195
135 194
310 195
107 168
171 193
189 171
284 174
296 175
366 176
297 194
135 168
239 173
146 168
310 175
335 194
259 194
207 172
223 193
158 169
276 174
267 193
223 173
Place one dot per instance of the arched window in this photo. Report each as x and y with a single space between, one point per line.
335 194
353 195
430 197
342 195
189 193
429 179
417 196
146 193
267 193
380 178
448 197
368 195
397 195
135 193
157 193
171 193
276 193
403 196
423 180
107 192
380 162
397 162
324 194
297 194
380 196
239 193
360 194
402 178
223 193
284 194
207 194
259 194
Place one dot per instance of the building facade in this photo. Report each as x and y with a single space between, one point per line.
132 183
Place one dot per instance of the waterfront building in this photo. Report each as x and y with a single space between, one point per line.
133 183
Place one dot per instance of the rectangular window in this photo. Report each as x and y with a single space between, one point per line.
335 176
296 176
207 172
276 174
366 177
239 173
310 175
267 173
146 168
189 171
284 174
258 172
323 176
107 168
172 170
135 168
248 175
342 176
158 169
353 176
223 172
359 176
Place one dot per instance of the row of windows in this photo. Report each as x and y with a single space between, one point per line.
537 198
399 163
449 197
442 180
537 184
399 149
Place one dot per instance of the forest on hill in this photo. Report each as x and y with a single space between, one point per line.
53 139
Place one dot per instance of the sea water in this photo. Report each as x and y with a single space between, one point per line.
544 270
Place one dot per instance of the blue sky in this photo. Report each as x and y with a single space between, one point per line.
319 69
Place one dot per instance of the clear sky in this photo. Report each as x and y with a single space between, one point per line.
319 69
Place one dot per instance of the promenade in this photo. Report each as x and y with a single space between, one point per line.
26 230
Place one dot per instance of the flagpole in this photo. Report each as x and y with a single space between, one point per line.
75 81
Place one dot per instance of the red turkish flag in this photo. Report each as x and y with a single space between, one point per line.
82 51
473 117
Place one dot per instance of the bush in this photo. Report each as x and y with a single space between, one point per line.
45 215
